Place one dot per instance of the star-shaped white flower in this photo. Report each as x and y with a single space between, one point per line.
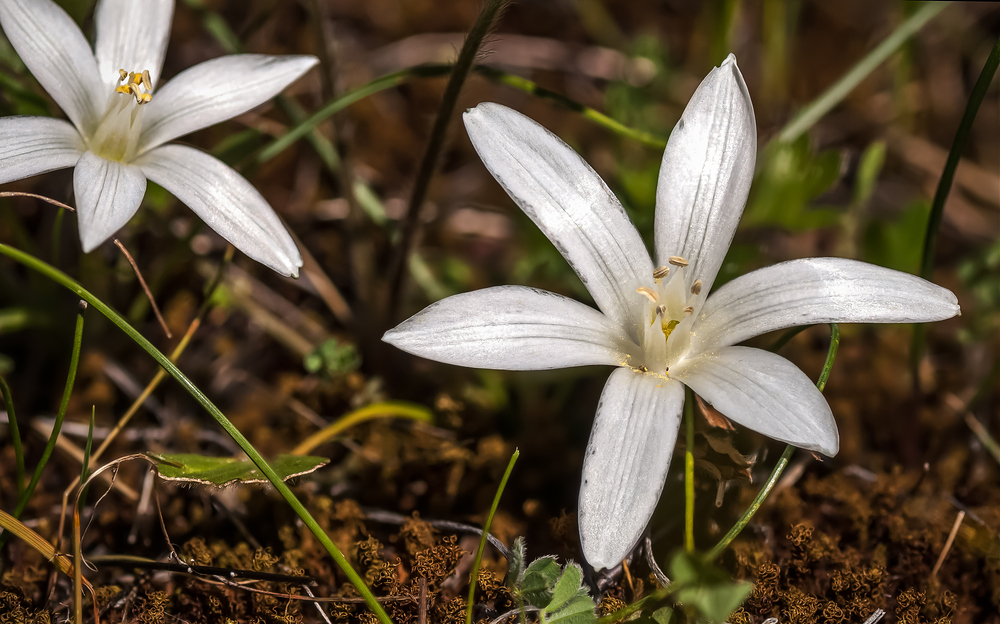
122 120
657 323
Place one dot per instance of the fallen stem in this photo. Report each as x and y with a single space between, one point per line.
394 409
486 531
61 278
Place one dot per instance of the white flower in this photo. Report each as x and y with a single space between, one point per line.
121 120
657 322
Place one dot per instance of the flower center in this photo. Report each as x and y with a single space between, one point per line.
117 134
667 315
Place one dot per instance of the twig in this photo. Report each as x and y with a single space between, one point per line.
875 617
45 199
661 578
145 288
948 543
389 517
422 616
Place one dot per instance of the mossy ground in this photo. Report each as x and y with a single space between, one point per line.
838 538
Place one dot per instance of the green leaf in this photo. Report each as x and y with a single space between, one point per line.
515 566
332 358
706 588
663 616
869 168
579 610
892 242
539 579
221 471
790 176
566 588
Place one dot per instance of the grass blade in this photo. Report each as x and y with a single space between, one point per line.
486 532
66 281
822 105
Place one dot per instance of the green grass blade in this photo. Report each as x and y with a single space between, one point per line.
50 446
15 434
66 281
486 531
824 376
815 111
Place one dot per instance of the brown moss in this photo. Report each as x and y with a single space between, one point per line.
15 608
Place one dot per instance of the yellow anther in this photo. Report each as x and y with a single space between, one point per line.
688 311
648 293
678 261
136 84
660 272
661 310
696 288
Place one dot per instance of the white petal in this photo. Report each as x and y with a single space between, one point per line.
764 392
510 328
626 463
52 46
33 145
131 35
226 202
817 290
107 195
569 202
705 175
216 90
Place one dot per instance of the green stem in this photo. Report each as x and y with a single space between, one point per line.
523 84
824 375
812 113
486 531
944 187
61 278
689 473
345 100
50 445
15 434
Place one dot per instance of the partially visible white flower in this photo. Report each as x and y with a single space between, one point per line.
656 321
121 121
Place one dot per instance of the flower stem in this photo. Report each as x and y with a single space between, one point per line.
61 278
824 375
943 188
689 472
486 531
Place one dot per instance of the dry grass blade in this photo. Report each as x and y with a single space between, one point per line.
145 288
